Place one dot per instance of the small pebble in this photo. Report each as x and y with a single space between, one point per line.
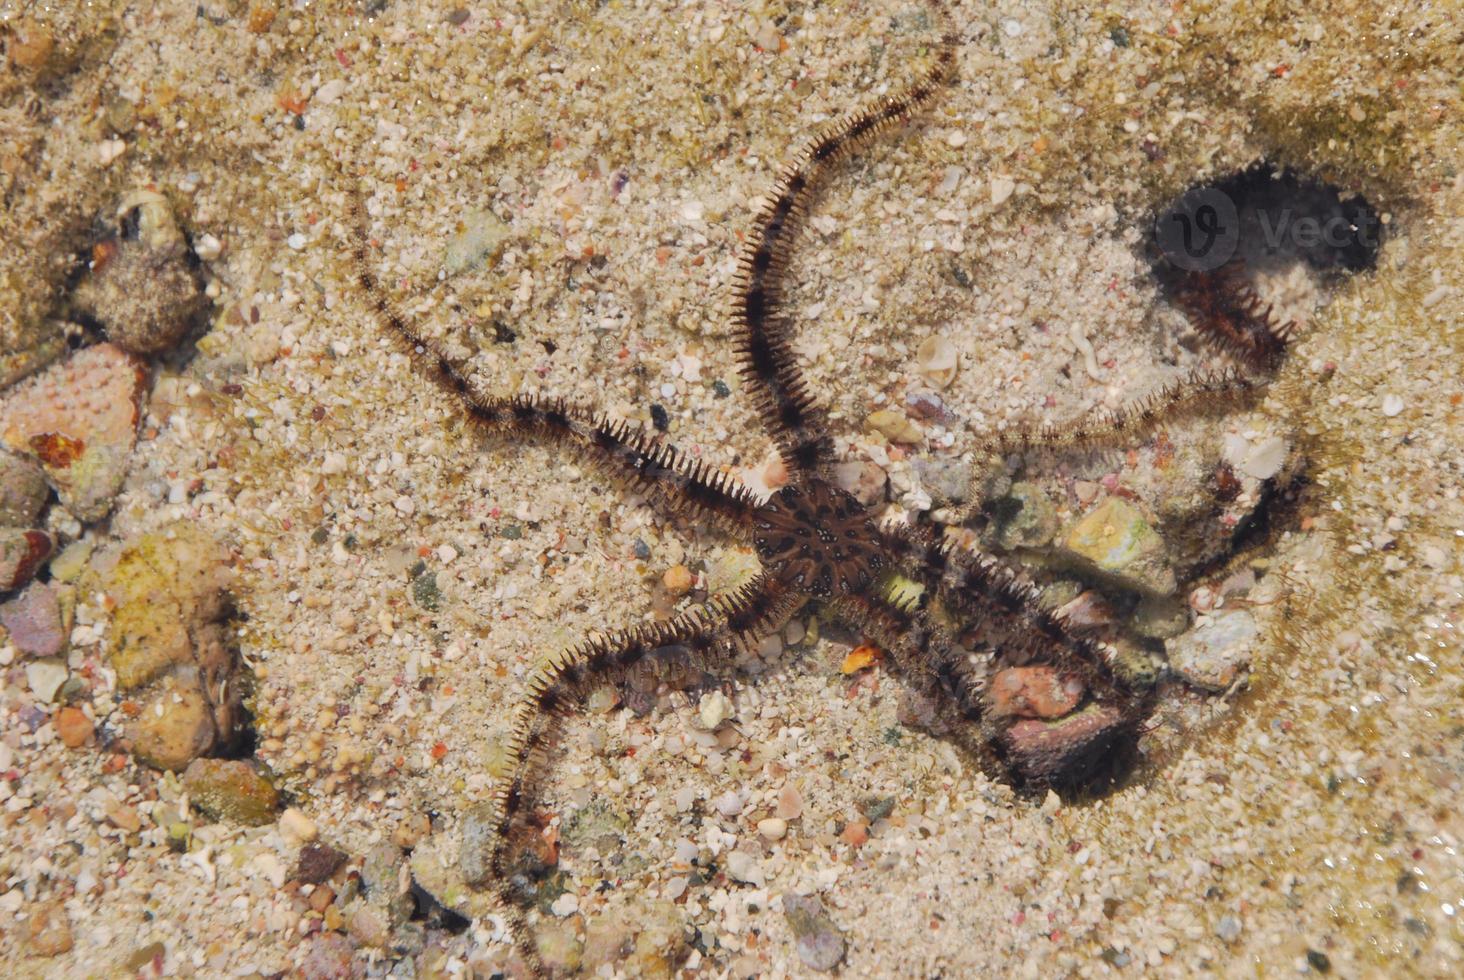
713 709
1392 405
790 803
745 868
73 727
1228 928
772 828
296 828
818 941
1001 189
678 580
317 862
45 677
729 804
937 361
232 790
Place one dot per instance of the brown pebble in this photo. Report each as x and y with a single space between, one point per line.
31 44
856 833
678 580
73 727
317 862
321 898
48 931
1033 692
124 817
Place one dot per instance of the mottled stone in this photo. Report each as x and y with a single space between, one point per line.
23 491
1064 752
1024 518
231 790
1213 654
330 956
35 622
1033 692
862 479
1114 541
818 941
143 290
79 419
480 239
22 553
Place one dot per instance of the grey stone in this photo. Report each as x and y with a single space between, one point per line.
23 491
1213 654
818 941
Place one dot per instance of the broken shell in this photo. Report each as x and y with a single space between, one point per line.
937 361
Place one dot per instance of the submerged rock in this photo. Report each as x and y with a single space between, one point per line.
36 622
22 553
1065 752
819 942
231 790
143 290
171 648
1114 541
79 420
1213 654
23 491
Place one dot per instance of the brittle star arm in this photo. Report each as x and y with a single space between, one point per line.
623 452
782 394
987 592
710 635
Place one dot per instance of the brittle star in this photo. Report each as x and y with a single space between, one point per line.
816 542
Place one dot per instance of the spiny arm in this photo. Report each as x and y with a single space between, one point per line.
621 451
782 394
724 627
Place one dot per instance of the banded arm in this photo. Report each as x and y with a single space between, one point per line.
781 393
623 452
710 635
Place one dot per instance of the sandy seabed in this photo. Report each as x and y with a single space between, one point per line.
609 157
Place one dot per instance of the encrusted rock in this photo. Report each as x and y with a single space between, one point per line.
818 941
36 621
1024 517
171 648
1213 654
1114 541
317 862
1064 752
947 480
1033 692
231 790
79 419
23 491
22 553
143 290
